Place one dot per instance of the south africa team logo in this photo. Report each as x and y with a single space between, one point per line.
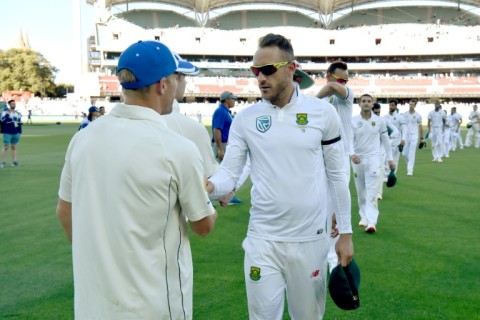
264 123
255 273
373 123
302 119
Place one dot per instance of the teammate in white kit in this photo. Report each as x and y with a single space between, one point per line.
413 122
455 129
341 97
398 121
394 137
295 145
127 186
370 135
473 132
436 119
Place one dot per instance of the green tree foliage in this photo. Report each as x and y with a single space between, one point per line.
26 70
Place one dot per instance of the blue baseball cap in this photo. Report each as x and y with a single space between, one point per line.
92 109
186 67
149 61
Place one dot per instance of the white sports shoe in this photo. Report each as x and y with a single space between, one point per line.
362 223
409 173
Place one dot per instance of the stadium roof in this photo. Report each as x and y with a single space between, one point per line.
325 7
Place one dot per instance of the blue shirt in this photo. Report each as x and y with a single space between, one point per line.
11 122
222 120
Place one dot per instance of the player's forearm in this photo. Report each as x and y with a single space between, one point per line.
218 138
64 214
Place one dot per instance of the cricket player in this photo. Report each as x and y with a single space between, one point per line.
398 121
341 97
455 129
436 119
127 186
370 135
413 122
473 132
394 137
295 145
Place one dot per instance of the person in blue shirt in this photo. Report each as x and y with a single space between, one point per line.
221 122
11 121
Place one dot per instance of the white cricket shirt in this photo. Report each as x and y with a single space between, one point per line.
412 121
436 118
289 168
195 132
131 182
367 136
344 107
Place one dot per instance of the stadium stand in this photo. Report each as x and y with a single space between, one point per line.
423 51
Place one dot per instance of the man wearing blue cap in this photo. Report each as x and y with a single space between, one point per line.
93 113
127 187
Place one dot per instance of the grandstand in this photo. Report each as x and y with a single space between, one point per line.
401 49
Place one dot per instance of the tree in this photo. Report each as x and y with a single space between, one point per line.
27 70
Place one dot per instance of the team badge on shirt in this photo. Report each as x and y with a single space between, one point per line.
255 273
264 123
373 123
302 119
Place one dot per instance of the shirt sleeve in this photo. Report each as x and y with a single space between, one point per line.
385 140
335 167
234 161
192 195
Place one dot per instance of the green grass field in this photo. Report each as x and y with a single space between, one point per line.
423 263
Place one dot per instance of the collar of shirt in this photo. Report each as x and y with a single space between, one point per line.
293 100
122 110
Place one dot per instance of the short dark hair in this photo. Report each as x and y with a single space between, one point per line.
394 101
338 64
11 100
376 105
279 41
365 95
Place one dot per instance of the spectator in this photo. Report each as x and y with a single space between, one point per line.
11 124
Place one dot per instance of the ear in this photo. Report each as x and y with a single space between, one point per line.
161 86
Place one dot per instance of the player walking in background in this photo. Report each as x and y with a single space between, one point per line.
455 129
124 205
370 135
473 132
398 121
341 97
436 119
394 138
11 124
294 144
413 122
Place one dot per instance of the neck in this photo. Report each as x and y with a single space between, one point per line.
284 98
366 114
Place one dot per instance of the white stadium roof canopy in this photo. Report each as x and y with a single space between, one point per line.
325 7
324 11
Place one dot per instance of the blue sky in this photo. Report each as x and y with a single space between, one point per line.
50 29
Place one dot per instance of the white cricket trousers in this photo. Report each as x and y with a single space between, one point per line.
437 140
455 135
297 268
366 175
409 150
